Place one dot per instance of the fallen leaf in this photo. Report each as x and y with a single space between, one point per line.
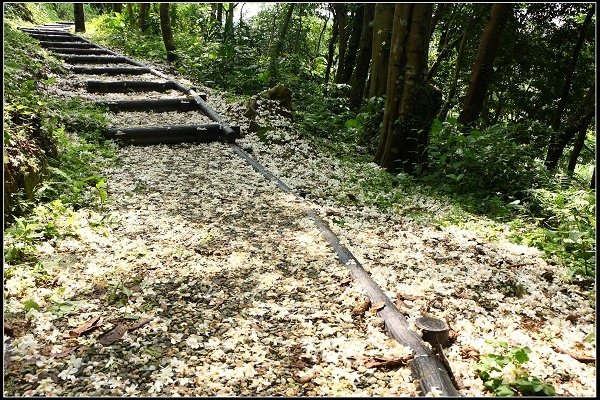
378 306
582 358
379 362
345 281
138 324
66 351
409 297
85 327
362 307
572 318
469 352
112 336
304 378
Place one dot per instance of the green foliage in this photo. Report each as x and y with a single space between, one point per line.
503 159
505 375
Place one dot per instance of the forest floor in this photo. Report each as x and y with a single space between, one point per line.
199 277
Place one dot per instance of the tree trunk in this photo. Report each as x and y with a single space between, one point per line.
593 180
342 22
318 50
350 58
481 72
441 57
79 17
359 76
130 16
117 7
334 36
167 33
459 57
276 51
577 147
213 11
579 120
229 21
564 95
143 16
411 103
220 14
382 33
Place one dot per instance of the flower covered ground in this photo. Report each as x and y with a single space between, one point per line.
198 277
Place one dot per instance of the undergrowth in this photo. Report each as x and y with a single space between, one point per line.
53 152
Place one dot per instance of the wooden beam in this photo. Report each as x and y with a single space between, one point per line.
128 86
81 59
168 134
55 38
180 104
110 70
81 45
70 50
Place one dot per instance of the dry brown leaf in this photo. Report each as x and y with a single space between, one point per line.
85 327
469 352
379 362
572 318
409 297
66 351
138 324
378 306
362 307
345 281
112 336
582 358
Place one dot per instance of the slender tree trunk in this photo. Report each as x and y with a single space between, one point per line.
580 119
353 42
229 22
481 72
334 36
593 180
359 76
459 57
382 33
274 75
220 15
441 57
79 17
577 147
318 50
564 95
167 33
342 20
143 16
130 16
411 103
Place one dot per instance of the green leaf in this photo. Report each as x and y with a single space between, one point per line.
549 390
521 355
29 304
353 123
504 390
